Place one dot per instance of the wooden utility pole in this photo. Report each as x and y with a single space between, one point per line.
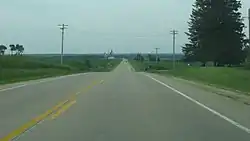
62 27
156 54
174 33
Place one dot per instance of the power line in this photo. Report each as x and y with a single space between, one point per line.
174 33
62 27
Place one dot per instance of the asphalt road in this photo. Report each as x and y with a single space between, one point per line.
121 105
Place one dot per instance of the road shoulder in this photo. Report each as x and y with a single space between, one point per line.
16 85
227 106
233 94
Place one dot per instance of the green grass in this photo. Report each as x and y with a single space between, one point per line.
234 78
15 75
223 77
153 66
20 68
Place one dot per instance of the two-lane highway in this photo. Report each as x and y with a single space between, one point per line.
121 105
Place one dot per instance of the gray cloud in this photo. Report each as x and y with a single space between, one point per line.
95 26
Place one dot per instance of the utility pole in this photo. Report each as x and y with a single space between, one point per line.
156 54
174 33
62 27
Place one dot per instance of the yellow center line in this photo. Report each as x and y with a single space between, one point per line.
63 109
59 109
31 123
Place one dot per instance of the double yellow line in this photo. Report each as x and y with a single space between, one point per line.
63 109
54 112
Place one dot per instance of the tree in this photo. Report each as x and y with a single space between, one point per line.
230 37
189 52
149 57
197 49
246 51
153 57
2 49
12 48
19 49
88 63
139 57
216 32
158 59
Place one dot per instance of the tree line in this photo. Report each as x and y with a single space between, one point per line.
14 49
216 33
150 57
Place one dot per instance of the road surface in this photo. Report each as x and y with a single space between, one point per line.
121 105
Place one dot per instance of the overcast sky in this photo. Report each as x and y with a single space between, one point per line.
96 26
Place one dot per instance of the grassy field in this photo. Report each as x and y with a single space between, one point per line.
18 68
234 78
224 77
152 66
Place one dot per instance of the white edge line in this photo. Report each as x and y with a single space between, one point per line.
11 88
203 106
41 81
